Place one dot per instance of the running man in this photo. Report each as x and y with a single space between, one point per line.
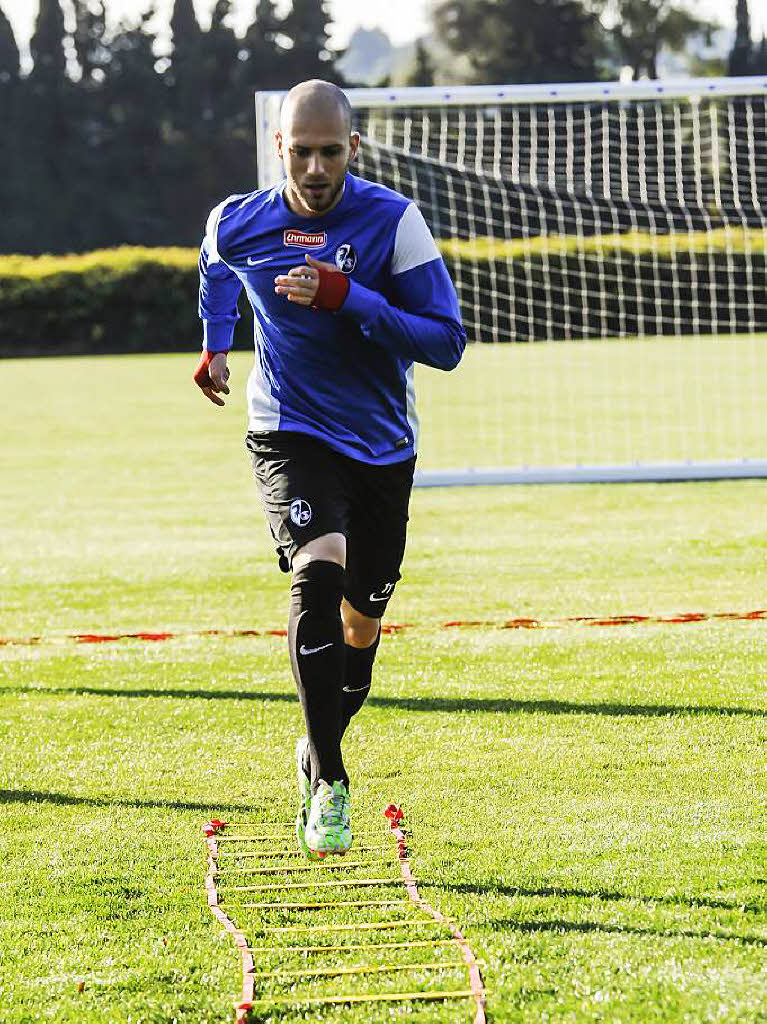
348 291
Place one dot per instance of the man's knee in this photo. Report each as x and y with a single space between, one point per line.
359 630
330 547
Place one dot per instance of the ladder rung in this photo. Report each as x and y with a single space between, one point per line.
298 867
286 825
293 851
280 836
223 838
333 904
259 824
322 972
384 997
334 883
407 922
286 950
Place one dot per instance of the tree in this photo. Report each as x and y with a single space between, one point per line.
133 159
9 52
644 27
15 220
522 40
741 55
306 25
185 78
47 43
423 67
109 145
219 57
760 58
185 30
89 37
227 112
264 66
48 112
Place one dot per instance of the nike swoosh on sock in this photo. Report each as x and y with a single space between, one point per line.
313 650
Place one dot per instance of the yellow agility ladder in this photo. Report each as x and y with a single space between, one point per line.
282 925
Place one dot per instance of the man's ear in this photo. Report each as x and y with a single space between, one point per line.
354 145
278 141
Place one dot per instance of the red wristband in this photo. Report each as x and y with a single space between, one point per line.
332 291
201 377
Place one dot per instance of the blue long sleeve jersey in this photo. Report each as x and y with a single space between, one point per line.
346 377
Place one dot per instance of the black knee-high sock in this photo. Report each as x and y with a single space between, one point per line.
317 653
357 679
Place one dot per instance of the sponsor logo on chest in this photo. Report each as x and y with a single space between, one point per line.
305 239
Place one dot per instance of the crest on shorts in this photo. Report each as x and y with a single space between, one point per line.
346 258
300 512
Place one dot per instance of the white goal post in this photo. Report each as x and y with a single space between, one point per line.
608 242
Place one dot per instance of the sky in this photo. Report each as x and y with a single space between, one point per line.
402 20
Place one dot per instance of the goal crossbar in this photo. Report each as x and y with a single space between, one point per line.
269 102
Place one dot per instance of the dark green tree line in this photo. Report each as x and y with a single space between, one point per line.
523 41
527 41
105 143
746 56
644 27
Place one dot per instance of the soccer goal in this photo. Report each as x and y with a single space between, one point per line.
608 243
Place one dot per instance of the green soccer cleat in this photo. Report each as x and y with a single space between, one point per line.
305 793
328 829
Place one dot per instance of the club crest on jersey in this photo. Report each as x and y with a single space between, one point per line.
346 258
305 239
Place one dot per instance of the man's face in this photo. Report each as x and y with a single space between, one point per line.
316 149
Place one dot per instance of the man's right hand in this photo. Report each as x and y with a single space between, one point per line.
211 376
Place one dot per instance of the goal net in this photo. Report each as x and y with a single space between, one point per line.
608 243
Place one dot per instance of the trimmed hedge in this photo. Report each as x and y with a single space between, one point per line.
564 297
130 299
145 300
719 241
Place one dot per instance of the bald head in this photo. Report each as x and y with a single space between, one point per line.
316 144
315 101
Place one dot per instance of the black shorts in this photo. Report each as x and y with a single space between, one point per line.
308 490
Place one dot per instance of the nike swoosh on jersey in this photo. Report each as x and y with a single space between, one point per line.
356 689
375 597
313 650
254 263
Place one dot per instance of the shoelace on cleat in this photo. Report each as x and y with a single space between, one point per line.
332 807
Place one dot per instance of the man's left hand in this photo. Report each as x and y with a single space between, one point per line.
315 283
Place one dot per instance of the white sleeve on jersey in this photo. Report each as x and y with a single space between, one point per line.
413 243
211 231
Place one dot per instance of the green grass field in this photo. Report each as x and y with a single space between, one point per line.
586 801
595 402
